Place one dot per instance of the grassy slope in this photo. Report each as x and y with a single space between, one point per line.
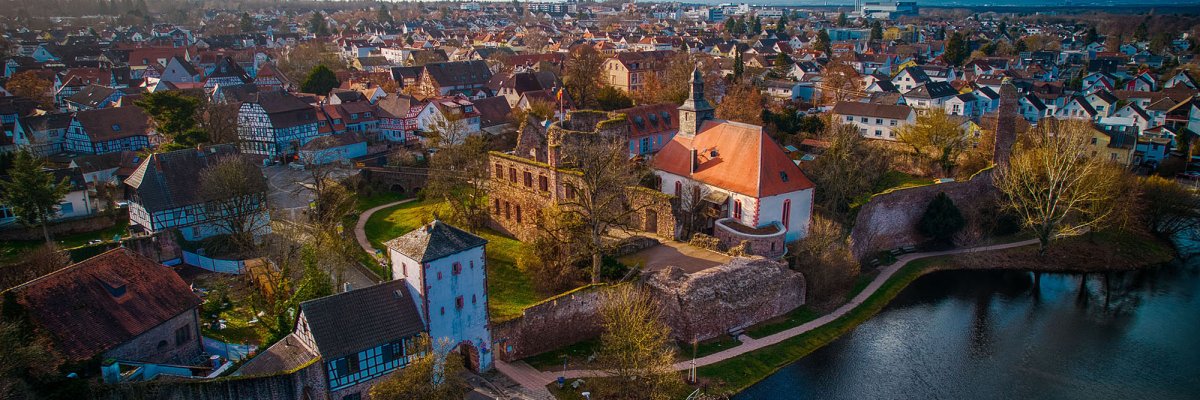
509 289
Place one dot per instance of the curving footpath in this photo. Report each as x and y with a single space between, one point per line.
360 233
533 380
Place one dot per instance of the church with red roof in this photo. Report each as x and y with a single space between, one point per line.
759 194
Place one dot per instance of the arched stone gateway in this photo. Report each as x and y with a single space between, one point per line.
397 188
470 355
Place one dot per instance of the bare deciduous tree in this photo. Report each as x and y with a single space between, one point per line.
434 375
235 194
824 257
839 171
1054 184
937 137
458 170
635 347
600 199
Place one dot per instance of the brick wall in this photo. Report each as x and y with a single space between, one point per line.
550 325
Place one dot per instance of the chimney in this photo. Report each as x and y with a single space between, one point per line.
695 161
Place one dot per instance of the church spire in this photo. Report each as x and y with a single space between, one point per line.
695 109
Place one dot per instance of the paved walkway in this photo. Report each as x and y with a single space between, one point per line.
360 233
533 381
671 253
540 379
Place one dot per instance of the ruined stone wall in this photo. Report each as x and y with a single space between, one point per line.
717 300
552 324
516 208
699 306
655 214
305 383
889 220
769 246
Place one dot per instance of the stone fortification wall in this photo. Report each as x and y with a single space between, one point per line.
718 300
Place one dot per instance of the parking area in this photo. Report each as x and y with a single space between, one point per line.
289 189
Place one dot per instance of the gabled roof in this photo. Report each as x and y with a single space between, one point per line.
93 96
114 123
349 322
932 90
733 156
872 110
492 111
433 241
104 301
164 181
651 119
459 73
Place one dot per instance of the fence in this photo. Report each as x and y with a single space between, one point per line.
213 264
230 351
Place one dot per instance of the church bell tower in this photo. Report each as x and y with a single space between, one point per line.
695 110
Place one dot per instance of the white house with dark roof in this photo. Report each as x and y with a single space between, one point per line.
874 121
109 130
446 274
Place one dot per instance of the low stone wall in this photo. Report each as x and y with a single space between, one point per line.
889 220
305 383
561 321
17 231
769 246
717 300
396 179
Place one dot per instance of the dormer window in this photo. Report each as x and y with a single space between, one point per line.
116 127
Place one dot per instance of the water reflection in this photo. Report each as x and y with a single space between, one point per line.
1011 334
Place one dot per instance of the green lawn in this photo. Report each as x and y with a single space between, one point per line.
740 372
509 289
11 250
576 354
710 346
363 203
782 323
891 180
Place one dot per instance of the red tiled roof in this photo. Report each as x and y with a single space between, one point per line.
104 301
734 156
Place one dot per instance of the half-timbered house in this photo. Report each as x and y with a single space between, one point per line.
276 124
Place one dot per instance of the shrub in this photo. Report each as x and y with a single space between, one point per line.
941 220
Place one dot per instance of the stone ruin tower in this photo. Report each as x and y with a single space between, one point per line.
1006 128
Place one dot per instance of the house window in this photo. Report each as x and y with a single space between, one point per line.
472 299
737 209
458 302
66 208
864 120
496 206
439 275
507 210
543 183
787 212
678 188
512 174
892 122
518 213
878 133
443 310
499 171
878 121
183 334
849 119
352 366
456 268
528 178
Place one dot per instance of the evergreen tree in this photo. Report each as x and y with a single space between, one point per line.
783 65
956 50
247 23
730 25
385 15
842 20
823 43
756 26
876 30
1091 36
739 66
316 24
320 81
32 192
781 24
941 220
1142 31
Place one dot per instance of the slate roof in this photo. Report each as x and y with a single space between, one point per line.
168 180
284 109
227 68
932 90
434 241
492 111
92 96
104 301
459 73
114 123
651 119
46 122
349 322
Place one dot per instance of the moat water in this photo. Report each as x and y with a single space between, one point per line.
995 335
